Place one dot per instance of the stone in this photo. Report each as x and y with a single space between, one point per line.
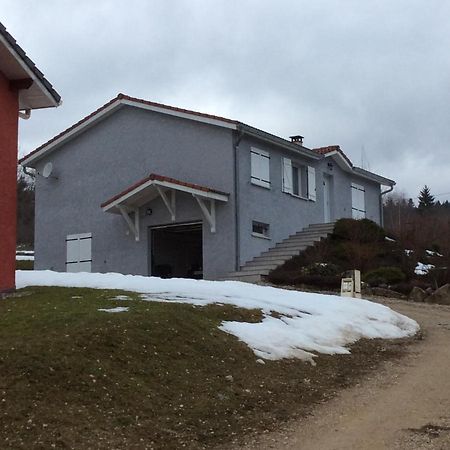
440 296
229 378
417 295
260 361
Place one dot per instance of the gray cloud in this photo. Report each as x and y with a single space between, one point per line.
370 75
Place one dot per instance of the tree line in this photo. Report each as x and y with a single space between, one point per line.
424 227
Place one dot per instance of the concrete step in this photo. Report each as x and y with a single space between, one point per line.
244 277
256 271
305 235
294 244
321 226
259 267
281 253
299 241
275 258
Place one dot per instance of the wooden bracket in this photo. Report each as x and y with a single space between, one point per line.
170 203
210 214
132 225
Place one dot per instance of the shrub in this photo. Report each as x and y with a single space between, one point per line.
322 269
298 278
384 275
361 231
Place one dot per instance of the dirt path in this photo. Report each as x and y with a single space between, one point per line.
405 405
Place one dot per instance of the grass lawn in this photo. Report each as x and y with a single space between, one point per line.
156 376
24 265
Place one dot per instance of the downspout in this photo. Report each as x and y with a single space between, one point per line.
236 141
391 188
25 115
26 171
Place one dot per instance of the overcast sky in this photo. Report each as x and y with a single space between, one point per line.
371 76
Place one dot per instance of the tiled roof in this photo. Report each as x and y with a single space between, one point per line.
156 177
174 108
30 64
333 148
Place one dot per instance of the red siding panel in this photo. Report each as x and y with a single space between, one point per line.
8 192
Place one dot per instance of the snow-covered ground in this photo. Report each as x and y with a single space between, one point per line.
25 255
24 258
303 323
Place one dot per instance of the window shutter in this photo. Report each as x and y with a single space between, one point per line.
358 201
260 167
312 183
79 252
287 176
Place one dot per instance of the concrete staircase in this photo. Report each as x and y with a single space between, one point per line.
260 266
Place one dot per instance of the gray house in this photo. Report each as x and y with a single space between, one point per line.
143 188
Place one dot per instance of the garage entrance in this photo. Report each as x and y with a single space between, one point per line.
177 251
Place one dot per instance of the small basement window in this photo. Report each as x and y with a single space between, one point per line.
260 229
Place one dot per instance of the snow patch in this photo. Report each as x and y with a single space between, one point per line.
423 269
117 309
431 253
121 298
24 258
306 324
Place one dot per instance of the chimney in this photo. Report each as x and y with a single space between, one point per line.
297 139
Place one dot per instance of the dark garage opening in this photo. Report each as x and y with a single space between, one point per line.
177 251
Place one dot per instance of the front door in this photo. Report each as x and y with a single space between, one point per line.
326 199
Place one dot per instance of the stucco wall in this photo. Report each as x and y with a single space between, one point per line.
285 213
112 155
9 108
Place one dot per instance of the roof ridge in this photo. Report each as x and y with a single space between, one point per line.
121 96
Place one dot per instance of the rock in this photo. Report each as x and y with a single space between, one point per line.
229 378
441 295
260 361
417 295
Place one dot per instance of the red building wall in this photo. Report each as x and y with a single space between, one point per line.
9 108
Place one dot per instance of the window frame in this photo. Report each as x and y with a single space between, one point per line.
304 184
266 229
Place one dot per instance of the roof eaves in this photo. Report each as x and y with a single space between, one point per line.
273 139
20 53
123 99
69 132
373 176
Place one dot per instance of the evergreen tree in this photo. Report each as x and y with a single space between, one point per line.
426 200
25 210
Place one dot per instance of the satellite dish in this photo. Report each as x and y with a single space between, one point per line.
48 169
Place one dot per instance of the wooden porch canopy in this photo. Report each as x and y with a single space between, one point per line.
128 202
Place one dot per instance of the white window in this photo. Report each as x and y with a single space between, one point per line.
79 252
260 229
299 180
260 167
358 201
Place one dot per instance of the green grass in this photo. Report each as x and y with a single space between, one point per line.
153 377
24 265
